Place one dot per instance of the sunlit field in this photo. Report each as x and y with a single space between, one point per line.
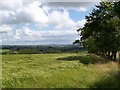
4 50
59 44
65 70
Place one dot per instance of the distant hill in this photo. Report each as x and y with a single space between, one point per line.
33 49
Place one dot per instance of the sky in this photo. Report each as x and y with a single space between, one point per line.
34 22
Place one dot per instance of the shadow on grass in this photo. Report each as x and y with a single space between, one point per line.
88 59
111 81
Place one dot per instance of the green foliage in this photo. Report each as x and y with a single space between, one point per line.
116 8
101 33
76 42
65 70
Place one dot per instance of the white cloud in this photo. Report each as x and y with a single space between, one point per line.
46 33
61 19
23 13
27 35
19 20
83 9
16 12
30 12
5 28
46 9
31 33
17 35
11 4
80 9
27 32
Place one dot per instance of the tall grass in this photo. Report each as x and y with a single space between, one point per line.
67 70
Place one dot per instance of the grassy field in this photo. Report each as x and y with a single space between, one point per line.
67 70
4 50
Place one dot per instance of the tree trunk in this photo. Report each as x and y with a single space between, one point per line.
114 55
108 55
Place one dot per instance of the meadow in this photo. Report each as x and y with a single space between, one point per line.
64 70
4 50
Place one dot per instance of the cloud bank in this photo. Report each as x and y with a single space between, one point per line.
36 22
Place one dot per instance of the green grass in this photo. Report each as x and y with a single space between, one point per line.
67 70
4 50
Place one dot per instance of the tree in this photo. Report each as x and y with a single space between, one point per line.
101 33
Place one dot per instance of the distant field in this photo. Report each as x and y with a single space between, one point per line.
67 70
4 50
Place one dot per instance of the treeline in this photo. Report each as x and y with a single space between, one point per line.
101 32
42 49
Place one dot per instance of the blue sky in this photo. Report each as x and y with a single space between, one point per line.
38 23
